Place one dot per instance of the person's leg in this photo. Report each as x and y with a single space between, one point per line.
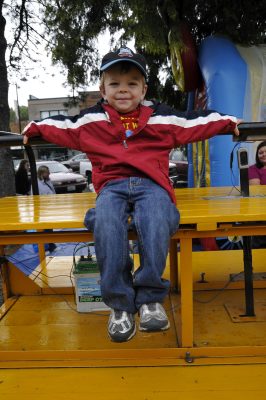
109 223
156 219
112 247
50 246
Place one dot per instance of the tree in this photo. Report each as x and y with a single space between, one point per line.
12 115
73 27
24 114
7 185
25 21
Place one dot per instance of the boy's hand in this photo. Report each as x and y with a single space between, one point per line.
236 130
25 139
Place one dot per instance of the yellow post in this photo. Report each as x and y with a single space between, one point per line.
42 256
5 277
186 281
173 264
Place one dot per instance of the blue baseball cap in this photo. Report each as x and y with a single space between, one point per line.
124 54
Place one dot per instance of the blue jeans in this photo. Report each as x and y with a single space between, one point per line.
155 218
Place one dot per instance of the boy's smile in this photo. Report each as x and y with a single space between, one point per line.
123 90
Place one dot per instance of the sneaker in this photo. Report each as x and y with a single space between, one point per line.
153 318
51 247
121 326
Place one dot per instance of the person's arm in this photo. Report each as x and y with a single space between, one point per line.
254 181
194 126
60 129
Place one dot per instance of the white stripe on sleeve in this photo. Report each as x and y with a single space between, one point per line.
67 123
188 123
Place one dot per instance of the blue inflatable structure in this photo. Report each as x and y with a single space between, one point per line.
227 71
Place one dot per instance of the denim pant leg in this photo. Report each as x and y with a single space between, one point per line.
112 247
156 219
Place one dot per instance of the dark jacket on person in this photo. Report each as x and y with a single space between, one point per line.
22 182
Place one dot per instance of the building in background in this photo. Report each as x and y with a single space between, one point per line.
44 108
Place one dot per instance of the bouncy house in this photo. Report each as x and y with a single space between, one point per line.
234 82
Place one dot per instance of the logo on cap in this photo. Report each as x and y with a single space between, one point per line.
125 52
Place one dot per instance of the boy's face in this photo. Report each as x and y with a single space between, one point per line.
123 90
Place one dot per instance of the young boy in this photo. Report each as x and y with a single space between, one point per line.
128 141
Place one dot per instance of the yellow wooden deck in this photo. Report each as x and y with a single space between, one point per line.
49 351
220 382
50 321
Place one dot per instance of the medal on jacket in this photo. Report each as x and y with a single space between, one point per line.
128 133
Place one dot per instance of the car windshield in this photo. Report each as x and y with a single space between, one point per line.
177 155
79 157
55 167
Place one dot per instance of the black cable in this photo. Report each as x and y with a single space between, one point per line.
37 275
76 249
231 169
230 280
50 287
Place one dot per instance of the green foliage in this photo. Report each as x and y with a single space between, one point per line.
13 116
75 26
242 21
24 115
72 30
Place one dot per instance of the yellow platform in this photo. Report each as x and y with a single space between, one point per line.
49 351
42 315
237 382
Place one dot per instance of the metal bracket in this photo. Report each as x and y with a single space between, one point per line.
188 358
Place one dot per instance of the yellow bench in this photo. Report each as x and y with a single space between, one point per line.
205 212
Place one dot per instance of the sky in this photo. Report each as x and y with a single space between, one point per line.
50 82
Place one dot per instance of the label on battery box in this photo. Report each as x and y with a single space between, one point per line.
90 299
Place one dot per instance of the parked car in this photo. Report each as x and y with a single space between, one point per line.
177 172
178 168
85 169
74 162
63 180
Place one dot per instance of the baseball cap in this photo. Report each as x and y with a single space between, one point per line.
124 54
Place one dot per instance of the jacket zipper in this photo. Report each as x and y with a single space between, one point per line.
125 144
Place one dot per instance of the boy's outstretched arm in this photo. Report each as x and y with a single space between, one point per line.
61 130
194 126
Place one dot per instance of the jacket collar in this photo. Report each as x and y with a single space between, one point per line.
146 110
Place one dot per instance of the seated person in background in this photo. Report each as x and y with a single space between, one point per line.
44 183
22 180
46 187
257 176
257 172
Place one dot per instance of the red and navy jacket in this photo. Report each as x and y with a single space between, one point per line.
99 132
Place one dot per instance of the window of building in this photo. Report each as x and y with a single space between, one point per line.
51 113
